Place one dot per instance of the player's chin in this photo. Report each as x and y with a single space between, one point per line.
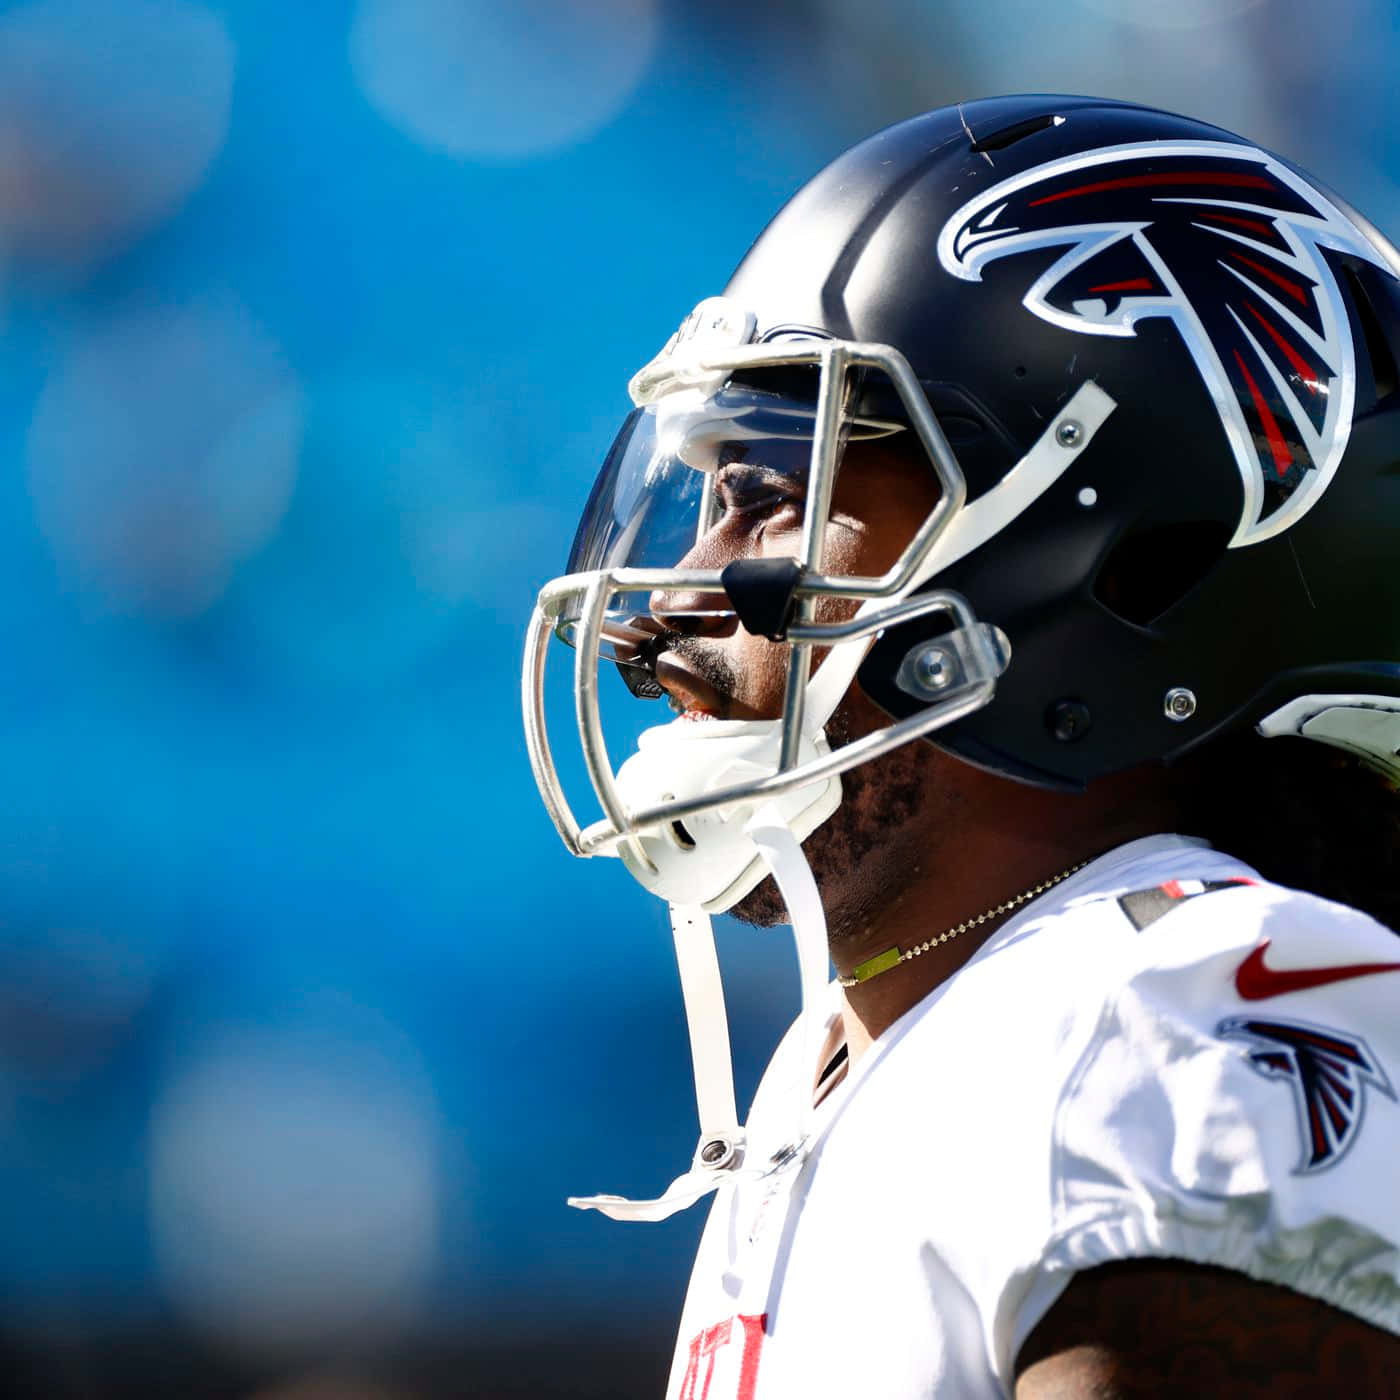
762 907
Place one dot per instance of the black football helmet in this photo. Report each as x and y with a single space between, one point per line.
1223 544
1230 541
1153 368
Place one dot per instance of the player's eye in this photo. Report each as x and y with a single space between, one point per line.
749 489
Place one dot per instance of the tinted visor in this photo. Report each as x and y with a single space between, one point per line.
652 493
732 466
677 467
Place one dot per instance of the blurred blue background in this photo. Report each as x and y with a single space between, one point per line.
315 322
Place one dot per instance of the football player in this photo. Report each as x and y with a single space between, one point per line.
1017 543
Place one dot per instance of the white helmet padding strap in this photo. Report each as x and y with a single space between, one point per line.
1365 725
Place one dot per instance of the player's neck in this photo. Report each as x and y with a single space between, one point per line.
921 912
1016 842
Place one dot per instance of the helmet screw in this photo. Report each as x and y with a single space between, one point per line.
1069 432
717 1152
1070 720
1179 703
933 669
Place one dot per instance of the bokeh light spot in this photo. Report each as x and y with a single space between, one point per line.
392 534
294 1188
110 116
1181 14
501 82
162 452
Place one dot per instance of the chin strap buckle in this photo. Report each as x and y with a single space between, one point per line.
707 1173
720 1151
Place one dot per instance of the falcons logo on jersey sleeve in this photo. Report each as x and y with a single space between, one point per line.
1226 243
1329 1072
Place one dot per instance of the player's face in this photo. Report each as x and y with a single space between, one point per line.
713 667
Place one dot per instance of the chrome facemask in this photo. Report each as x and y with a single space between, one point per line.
689 408
702 811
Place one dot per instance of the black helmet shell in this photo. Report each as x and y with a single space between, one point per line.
1233 530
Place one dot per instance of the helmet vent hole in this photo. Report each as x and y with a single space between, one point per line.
1382 357
683 838
1149 572
1018 131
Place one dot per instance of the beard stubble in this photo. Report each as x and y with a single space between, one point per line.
884 830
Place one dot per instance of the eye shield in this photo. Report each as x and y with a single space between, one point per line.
645 532
684 465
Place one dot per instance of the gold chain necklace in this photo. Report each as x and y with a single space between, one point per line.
892 957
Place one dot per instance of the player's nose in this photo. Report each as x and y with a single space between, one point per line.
693 611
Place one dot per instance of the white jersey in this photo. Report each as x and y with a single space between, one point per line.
1163 1056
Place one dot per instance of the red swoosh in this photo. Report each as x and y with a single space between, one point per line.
1254 981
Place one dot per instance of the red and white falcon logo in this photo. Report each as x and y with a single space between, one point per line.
1329 1072
1227 243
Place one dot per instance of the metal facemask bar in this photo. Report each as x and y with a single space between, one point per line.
835 360
792 759
951 530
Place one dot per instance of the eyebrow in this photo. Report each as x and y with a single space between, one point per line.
759 471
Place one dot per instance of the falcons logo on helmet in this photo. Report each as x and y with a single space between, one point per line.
1225 242
1328 1071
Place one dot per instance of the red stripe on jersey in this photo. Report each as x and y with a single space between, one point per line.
754 1330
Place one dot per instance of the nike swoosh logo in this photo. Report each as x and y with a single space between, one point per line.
1254 981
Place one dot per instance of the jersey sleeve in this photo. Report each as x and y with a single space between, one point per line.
1236 1104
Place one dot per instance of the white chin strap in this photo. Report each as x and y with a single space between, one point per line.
719 1155
683 757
